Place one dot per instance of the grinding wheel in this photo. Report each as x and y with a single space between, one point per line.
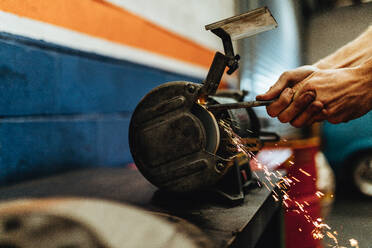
210 125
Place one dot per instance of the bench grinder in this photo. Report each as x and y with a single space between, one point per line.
175 135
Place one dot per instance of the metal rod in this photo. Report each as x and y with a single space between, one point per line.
239 105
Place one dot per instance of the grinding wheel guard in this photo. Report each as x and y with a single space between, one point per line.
173 140
178 145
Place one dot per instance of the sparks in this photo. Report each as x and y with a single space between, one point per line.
275 198
319 194
354 243
304 172
330 235
296 179
321 229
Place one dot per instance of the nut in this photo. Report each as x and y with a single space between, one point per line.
220 167
191 88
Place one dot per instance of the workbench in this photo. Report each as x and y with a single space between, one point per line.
258 222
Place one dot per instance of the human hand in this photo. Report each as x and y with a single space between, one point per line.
284 90
337 95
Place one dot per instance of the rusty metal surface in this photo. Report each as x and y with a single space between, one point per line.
221 223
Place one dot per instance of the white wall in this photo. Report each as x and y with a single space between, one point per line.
186 18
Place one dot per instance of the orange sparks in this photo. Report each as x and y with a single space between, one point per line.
266 186
296 179
354 243
275 198
330 235
202 101
320 230
304 172
300 206
319 194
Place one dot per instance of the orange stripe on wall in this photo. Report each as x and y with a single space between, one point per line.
104 20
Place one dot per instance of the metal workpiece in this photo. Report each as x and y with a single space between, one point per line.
239 105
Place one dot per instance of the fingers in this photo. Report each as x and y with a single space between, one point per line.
308 116
298 105
282 103
316 118
276 89
285 80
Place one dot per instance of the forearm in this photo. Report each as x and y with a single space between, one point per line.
365 71
353 54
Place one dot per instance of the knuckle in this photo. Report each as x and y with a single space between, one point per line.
330 114
316 106
297 105
283 118
308 86
334 120
296 123
286 101
285 75
270 112
286 97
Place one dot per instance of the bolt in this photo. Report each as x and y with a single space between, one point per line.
12 224
220 167
191 88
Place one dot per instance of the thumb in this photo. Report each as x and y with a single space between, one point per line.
274 90
289 77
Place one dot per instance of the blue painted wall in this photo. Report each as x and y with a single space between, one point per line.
63 109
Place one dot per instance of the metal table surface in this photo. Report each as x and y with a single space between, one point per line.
255 223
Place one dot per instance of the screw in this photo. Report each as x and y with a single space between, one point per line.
220 167
12 224
191 88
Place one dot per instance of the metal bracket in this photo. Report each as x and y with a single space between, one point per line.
219 64
233 28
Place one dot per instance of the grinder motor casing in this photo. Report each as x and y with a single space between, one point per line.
175 141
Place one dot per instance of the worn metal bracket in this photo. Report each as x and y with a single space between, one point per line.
233 28
233 60
219 64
